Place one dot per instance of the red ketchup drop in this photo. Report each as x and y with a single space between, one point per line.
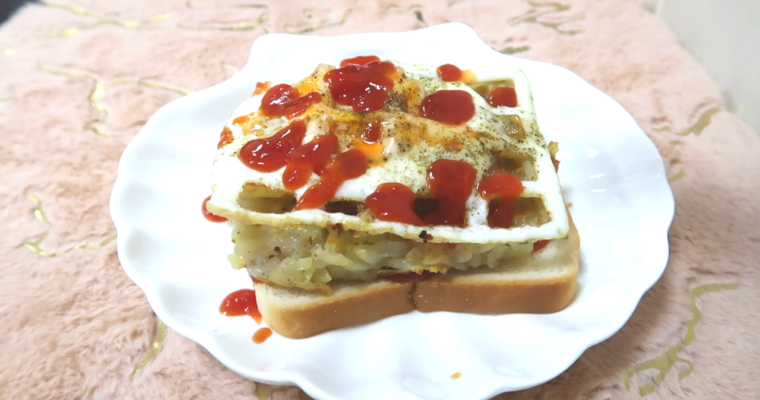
449 72
363 87
241 302
453 107
209 215
410 277
261 87
371 132
284 100
451 183
359 60
503 186
393 202
270 154
311 157
241 119
225 138
349 165
539 245
261 335
502 96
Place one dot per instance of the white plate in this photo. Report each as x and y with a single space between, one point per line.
611 173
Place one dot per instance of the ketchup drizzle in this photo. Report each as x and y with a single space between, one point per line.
241 120
452 107
261 335
284 100
311 157
451 183
209 215
349 165
502 96
371 132
359 60
538 245
449 72
503 186
241 302
393 202
261 87
270 154
225 138
363 87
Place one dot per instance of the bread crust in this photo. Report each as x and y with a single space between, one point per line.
543 282
350 304
507 291
473 297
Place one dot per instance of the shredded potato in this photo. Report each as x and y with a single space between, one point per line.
309 257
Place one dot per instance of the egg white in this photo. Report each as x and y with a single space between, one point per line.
408 165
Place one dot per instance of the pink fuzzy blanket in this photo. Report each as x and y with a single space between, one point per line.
80 78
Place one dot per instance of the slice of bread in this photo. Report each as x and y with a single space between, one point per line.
542 282
297 313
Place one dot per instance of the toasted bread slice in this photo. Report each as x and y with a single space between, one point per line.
297 313
542 282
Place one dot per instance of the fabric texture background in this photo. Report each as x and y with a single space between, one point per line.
79 79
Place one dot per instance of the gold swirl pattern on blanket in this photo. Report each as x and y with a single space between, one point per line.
238 26
230 70
315 28
101 20
264 391
677 176
550 10
702 122
418 15
34 246
514 50
155 347
207 4
667 360
675 161
99 91
235 27
303 396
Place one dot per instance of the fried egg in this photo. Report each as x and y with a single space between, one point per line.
495 138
